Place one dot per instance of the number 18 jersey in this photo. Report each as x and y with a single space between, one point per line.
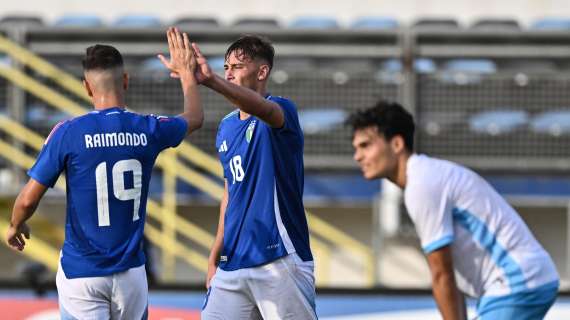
265 218
107 156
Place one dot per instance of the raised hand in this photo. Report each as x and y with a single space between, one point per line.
203 71
182 61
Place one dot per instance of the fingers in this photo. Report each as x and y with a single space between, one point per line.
164 61
27 233
187 44
169 36
197 50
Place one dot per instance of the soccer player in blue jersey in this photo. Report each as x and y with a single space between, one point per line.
260 265
475 242
107 156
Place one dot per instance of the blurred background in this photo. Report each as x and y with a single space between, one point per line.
488 83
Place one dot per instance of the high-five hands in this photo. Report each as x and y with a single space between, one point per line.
185 56
182 63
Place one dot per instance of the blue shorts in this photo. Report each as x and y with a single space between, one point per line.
528 305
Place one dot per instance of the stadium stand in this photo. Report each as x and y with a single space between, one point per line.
137 21
79 21
374 23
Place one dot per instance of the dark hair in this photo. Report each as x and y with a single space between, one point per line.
252 47
390 118
101 57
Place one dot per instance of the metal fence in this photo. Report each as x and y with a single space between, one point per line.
500 120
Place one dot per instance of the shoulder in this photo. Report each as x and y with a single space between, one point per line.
424 178
229 116
282 101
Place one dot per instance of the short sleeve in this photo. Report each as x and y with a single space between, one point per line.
431 212
291 116
168 131
51 160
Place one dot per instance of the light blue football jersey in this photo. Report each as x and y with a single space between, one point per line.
265 218
107 157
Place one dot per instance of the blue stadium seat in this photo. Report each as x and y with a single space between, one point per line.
555 123
375 23
498 122
321 120
390 72
138 21
217 64
551 24
314 23
79 20
466 71
154 68
424 65
482 66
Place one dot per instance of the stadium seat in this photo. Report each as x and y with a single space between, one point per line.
390 72
555 123
466 71
79 20
483 66
436 24
153 68
314 23
321 120
375 23
498 122
196 22
217 64
492 24
424 65
30 21
551 24
257 23
137 21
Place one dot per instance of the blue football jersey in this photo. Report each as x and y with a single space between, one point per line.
107 157
263 166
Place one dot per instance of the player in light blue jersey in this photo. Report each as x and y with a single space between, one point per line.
473 239
260 265
107 156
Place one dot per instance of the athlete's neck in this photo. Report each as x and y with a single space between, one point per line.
102 102
400 175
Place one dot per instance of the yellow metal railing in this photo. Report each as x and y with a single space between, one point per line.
44 253
187 151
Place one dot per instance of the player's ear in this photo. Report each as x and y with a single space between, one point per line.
87 88
125 81
398 144
263 72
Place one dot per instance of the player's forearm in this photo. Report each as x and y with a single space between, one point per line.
244 98
447 297
22 211
193 112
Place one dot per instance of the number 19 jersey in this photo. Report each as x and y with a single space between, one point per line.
107 156
265 218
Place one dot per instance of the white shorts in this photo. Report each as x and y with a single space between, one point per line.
282 289
123 295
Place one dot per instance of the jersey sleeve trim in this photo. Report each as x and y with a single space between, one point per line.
437 244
